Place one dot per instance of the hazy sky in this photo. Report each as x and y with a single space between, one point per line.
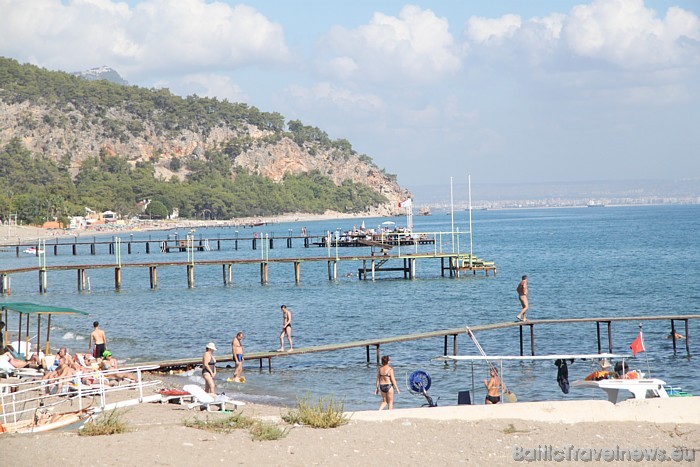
505 90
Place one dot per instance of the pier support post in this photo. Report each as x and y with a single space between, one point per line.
272 243
117 278
367 348
532 340
687 337
442 267
297 272
263 273
190 276
153 276
673 335
128 248
93 248
454 344
372 269
81 279
5 285
228 273
75 249
148 248
332 270
521 340
255 243
43 281
55 248
378 354
412 263
597 325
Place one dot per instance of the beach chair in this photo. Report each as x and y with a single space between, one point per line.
207 402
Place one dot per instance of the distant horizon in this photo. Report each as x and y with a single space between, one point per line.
604 189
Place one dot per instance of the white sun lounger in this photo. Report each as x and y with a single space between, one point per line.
207 401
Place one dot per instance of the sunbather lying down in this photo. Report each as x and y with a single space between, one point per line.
109 363
9 362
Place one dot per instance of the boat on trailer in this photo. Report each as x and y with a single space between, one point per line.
632 383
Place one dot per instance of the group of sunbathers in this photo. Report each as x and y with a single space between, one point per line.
63 365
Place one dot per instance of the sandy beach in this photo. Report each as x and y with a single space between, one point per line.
458 435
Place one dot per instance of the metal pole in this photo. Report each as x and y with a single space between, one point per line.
452 214
471 240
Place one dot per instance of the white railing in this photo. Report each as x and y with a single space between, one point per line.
22 399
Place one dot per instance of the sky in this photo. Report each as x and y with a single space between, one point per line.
506 91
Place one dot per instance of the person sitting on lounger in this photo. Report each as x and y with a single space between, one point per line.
109 363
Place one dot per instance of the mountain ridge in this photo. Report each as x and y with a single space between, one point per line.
70 120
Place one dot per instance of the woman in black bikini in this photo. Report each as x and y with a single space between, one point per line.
493 388
209 368
386 383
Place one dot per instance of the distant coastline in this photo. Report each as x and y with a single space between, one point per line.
26 235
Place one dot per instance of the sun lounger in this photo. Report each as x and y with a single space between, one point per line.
207 401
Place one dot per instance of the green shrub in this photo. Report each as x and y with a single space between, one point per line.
105 425
263 431
325 413
259 431
221 425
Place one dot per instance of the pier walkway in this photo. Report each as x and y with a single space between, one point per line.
452 263
189 363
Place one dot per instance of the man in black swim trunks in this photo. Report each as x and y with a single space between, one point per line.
99 339
286 329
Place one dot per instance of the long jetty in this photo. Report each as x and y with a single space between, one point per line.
446 334
395 252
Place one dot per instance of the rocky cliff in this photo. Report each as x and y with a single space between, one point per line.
72 129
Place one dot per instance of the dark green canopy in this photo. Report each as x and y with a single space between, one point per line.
34 309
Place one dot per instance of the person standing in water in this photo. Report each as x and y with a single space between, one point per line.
286 329
237 351
209 368
493 388
386 383
99 339
522 295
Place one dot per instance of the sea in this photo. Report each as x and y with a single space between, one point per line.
614 261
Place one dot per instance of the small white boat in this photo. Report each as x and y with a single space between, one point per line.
33 251
643 388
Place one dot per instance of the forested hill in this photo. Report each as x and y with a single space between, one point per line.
67 143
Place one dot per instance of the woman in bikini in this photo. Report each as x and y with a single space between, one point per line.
493 388
386 383
209 368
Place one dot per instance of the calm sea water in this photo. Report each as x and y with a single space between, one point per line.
615 261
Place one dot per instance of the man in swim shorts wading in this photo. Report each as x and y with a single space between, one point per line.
98 338
237 351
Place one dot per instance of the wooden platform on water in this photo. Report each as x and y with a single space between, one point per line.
189 363
371 266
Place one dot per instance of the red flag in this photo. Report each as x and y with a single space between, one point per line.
637 345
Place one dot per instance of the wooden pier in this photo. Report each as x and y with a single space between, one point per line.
371 266
446 335
175 244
